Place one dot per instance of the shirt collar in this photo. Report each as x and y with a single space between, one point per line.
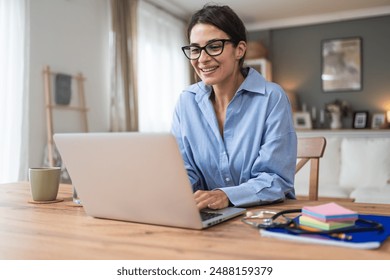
254 82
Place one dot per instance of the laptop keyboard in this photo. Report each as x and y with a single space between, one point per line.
208 215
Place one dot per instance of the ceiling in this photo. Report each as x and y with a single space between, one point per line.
268 14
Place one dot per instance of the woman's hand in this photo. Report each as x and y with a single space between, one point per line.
212 199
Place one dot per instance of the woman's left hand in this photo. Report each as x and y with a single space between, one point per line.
212 199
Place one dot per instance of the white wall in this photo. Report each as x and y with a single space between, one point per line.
70 36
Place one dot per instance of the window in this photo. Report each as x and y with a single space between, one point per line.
13 95
163 70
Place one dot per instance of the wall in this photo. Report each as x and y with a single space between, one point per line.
295 54
71 37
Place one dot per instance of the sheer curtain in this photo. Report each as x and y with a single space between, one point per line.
163 71
13 90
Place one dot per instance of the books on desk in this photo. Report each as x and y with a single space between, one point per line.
335 220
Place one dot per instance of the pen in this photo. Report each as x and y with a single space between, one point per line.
341 236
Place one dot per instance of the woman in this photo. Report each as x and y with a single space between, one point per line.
234 129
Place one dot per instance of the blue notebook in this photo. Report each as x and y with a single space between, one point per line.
360 240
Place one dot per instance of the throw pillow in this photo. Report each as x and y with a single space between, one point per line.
365 163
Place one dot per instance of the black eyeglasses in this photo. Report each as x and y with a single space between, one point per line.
213 48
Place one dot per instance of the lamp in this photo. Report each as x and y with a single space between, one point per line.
255 50
387 122
293 100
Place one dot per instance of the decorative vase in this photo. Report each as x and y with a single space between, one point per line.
335 120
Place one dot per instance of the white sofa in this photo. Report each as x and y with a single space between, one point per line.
355 165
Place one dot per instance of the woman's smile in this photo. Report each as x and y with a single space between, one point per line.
208 69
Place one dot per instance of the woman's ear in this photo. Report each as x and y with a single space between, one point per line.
240 49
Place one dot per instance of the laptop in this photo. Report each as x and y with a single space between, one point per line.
136 177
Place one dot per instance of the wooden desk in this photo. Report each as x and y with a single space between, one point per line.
63 231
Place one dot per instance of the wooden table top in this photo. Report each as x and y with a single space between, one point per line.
63 231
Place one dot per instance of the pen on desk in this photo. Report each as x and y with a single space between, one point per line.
341 236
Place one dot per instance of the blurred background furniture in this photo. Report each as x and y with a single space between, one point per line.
58 86
310 150
355 165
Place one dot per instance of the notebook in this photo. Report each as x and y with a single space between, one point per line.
359 240
136 177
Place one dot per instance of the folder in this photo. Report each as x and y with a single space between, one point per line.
360 240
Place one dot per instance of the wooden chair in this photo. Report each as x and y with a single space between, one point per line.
311 149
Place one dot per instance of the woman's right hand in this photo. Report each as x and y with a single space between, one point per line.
211 199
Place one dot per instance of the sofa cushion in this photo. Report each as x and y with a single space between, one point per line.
365 163
373 195
329 190
330 162
325 190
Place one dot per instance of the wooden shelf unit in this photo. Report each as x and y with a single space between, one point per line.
50 106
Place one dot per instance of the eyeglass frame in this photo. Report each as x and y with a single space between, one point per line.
205 48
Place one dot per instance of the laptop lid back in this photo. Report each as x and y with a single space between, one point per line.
137 177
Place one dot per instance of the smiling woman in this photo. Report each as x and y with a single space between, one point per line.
13 94
234 129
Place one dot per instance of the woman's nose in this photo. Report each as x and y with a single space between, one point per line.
204 56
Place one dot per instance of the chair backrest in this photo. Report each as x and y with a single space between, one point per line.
311 149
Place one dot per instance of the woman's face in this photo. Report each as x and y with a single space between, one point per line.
215 70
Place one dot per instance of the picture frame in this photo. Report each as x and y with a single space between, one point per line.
378 120
302 120
360 119
341 64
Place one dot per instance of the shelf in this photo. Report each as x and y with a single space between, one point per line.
67 107
357 133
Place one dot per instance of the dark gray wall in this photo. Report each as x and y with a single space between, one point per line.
295 54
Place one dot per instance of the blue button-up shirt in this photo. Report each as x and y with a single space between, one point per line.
254 161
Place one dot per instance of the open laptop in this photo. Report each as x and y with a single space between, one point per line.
137 177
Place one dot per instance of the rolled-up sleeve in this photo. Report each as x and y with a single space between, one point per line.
272 174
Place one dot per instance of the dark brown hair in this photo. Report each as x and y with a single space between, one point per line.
222 17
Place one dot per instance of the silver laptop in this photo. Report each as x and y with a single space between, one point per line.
137 177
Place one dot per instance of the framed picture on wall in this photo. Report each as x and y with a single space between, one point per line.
302 120
341 64
360 119
378 120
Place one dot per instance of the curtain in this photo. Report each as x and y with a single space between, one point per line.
13 90
163 71
123 107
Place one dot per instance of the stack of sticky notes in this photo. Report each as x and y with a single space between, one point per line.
327 216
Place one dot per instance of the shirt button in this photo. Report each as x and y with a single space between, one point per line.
227 179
